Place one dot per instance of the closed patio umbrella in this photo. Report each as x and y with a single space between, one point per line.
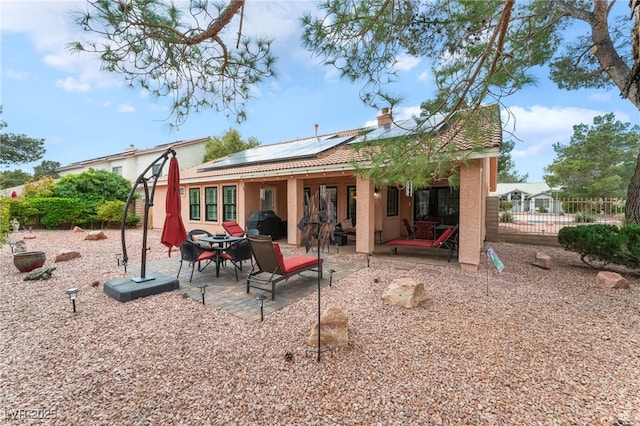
173 232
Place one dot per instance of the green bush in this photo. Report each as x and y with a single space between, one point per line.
583 217
505 206
603 243
506 217
57 211
110 212
543 209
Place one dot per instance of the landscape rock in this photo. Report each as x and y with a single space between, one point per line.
542 260
29 236
96 235
334 330
77 229
405 292
608 279
39 274
66 254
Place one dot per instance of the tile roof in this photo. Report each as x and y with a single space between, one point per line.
343 154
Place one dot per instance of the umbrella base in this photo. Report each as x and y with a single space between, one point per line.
126 289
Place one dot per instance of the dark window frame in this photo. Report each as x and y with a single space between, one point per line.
194 204
211 205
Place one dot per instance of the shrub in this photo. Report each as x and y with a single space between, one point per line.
110 212
604 243
506 217
57 211
505 206
583 217
543 209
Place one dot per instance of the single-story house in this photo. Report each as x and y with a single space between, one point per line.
529 196
277 177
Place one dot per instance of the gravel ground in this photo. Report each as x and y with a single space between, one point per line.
527 347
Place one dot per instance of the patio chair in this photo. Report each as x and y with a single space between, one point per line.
271 267
411 235
193 253
233 228
238 253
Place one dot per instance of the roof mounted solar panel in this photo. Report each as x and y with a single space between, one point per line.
301 148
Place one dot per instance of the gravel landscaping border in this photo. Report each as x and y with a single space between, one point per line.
526 347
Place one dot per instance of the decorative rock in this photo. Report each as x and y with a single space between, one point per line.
334 331
39 274
96 235
542 260
77 229
29 236
608 279
66 254
405 292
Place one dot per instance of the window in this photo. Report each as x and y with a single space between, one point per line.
194 203
437 202
211 204
351 203
392 201
229 203
117 170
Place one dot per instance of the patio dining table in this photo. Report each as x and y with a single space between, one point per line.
220 244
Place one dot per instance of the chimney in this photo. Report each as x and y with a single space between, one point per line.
385 118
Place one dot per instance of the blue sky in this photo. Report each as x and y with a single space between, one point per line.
83 113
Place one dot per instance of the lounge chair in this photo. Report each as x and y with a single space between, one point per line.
448 240
271 267
233 228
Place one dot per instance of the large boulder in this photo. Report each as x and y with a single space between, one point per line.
608 279
405 292
334 330
66 254
96 235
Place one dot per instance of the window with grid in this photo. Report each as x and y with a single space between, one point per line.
194 203
229 208
211 204
117 170
392 201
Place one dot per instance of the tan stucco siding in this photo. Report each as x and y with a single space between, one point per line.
471 214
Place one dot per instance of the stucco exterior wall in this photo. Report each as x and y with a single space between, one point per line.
472 196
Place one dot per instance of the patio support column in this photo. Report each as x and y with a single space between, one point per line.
365 216
295 209
472 214
241 213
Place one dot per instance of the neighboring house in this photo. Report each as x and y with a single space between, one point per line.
132 162
278 176
529 197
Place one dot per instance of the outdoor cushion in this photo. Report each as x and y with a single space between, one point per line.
233 228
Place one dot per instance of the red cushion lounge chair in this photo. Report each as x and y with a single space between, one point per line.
448 240
271 267
232 228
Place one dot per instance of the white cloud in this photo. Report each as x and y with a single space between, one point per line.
70 84
16 75
425 76
535 129
126 108
406 62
